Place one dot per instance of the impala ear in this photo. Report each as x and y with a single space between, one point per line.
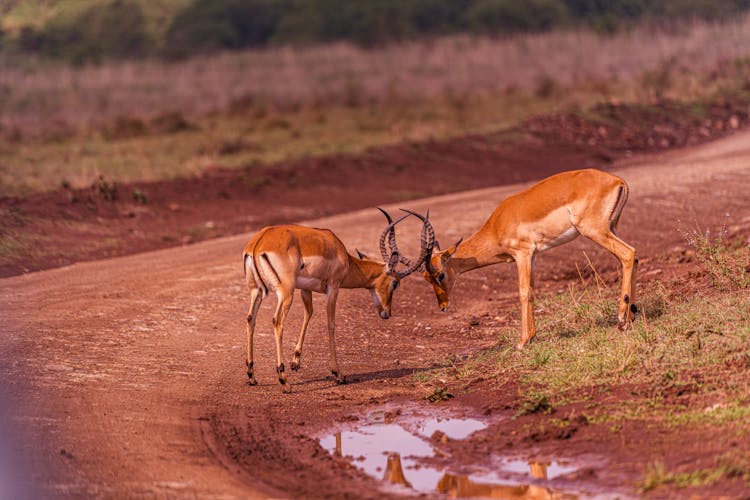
452 250
393 261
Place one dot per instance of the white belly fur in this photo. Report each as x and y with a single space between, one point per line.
308 283
568 235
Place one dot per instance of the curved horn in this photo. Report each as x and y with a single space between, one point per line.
383 251
389 231
391 243
427 240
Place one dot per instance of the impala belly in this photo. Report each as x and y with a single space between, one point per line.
558 229
310 272
568 235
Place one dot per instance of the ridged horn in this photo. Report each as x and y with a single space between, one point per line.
389 231
427 240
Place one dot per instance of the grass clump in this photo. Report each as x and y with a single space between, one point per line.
439 394
726 263
535 403
681 346
730 465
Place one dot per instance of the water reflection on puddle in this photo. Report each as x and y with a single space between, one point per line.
394 449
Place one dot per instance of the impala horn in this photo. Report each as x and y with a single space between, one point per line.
428 240
386 232
391 242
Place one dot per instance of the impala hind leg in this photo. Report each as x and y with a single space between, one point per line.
525 266
282 308
626 307
255 299
331 296
307 300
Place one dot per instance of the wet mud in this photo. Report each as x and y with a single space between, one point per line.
404 447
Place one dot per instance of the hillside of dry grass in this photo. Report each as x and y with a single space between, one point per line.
150 120
41 95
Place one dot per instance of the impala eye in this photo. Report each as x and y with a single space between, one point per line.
441 276
395 284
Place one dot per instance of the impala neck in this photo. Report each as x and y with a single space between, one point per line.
362 273
478 250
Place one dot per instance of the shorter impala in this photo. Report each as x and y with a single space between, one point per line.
548 214
280 259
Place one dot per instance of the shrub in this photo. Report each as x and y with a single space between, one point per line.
509 16
208 25
113 29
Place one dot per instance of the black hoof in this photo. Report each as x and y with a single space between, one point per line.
294 365
339 378
252 381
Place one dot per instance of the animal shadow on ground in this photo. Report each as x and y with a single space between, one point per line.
358 378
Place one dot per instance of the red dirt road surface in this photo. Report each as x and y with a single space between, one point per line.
125 377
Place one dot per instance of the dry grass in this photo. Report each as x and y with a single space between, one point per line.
701 335
693 343
36 95
149 120
253 139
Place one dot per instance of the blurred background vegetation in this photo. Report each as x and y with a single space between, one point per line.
158 89
85 31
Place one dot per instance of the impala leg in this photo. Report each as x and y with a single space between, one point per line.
331 296
282 308
525 266
255 299
633 309
626 307
307 300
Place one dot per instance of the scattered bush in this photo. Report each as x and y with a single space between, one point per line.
209 25
113 29
117 28
105 188
511 16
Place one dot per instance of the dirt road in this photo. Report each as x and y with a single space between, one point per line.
125 377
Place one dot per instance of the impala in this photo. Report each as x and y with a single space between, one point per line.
280 259
548 214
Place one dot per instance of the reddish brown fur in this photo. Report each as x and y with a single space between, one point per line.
281 259
548 214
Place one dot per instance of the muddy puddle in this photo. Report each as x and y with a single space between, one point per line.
405 449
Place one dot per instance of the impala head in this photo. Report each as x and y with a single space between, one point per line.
437 272
389 278
441 276
384 284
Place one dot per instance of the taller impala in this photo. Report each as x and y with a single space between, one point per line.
548 214
280 259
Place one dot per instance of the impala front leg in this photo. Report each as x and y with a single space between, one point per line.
307 300
525 266
331 296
